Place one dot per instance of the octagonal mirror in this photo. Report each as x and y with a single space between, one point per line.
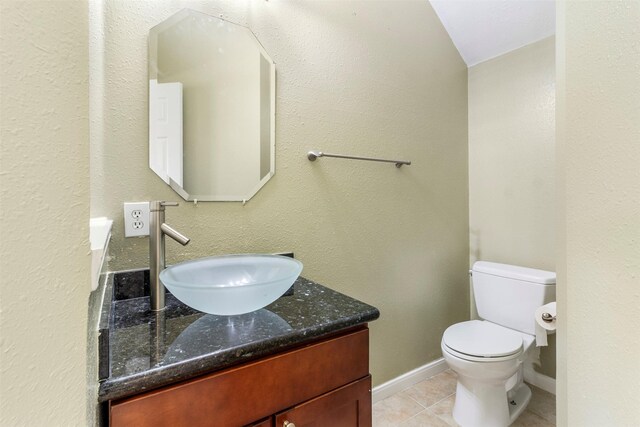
211 108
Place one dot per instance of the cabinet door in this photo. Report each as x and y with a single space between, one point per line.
268 422
348 406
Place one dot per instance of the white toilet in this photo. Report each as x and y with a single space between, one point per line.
488 355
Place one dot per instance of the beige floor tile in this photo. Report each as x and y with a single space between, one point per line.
406 409
529 419
395 410
444 410
543 404
424 419
434 389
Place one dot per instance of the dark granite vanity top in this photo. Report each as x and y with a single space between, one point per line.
141 350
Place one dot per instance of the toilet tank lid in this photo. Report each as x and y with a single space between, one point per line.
514 272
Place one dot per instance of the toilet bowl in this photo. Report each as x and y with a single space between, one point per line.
488 355
488 360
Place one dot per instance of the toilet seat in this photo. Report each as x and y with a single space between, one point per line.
482 341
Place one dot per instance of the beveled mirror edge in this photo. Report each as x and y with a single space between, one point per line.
208 198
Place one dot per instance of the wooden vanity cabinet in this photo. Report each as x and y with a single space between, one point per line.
326 383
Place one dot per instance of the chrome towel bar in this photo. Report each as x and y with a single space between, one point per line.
313 155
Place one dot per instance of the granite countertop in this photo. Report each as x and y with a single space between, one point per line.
141 350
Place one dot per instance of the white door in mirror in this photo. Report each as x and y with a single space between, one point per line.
165 130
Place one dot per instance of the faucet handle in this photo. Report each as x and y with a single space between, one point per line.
158 205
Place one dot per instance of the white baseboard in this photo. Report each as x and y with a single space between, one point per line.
408 379
539 380
421 373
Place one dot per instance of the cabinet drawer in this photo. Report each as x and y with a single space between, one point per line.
348 406
241 395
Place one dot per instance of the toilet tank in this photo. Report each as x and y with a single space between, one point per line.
509 295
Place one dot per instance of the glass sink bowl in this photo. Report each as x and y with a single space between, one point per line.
231 284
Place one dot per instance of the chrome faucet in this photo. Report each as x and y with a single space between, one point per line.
157 230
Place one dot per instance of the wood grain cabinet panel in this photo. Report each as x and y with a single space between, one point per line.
349 406
264 423
257 390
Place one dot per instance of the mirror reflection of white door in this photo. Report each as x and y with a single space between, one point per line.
165 130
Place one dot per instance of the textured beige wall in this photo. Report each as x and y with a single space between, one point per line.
44 212
369 78
512 162
511 157
599 185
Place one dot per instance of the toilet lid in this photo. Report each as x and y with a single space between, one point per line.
482 339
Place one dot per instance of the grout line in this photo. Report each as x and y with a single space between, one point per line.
439 417
444 398
407 395
412 417
410 397
430 378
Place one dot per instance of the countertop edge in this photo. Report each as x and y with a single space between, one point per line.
163 376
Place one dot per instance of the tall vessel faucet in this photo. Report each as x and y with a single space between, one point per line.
157 230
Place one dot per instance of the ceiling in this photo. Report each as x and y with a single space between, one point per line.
484 29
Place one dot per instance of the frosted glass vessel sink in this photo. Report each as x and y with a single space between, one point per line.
231 284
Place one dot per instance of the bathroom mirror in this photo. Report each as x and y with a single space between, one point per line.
211 108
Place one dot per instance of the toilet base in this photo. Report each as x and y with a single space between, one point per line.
481 404
519 402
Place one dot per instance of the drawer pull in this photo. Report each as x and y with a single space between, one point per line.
288 424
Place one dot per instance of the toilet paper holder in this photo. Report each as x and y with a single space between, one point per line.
547 317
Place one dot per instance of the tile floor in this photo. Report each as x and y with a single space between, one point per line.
430 402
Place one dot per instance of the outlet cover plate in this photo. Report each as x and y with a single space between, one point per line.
136 219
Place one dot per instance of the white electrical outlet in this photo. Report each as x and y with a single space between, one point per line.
136 219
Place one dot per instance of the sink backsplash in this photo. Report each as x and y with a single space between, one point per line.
131 284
